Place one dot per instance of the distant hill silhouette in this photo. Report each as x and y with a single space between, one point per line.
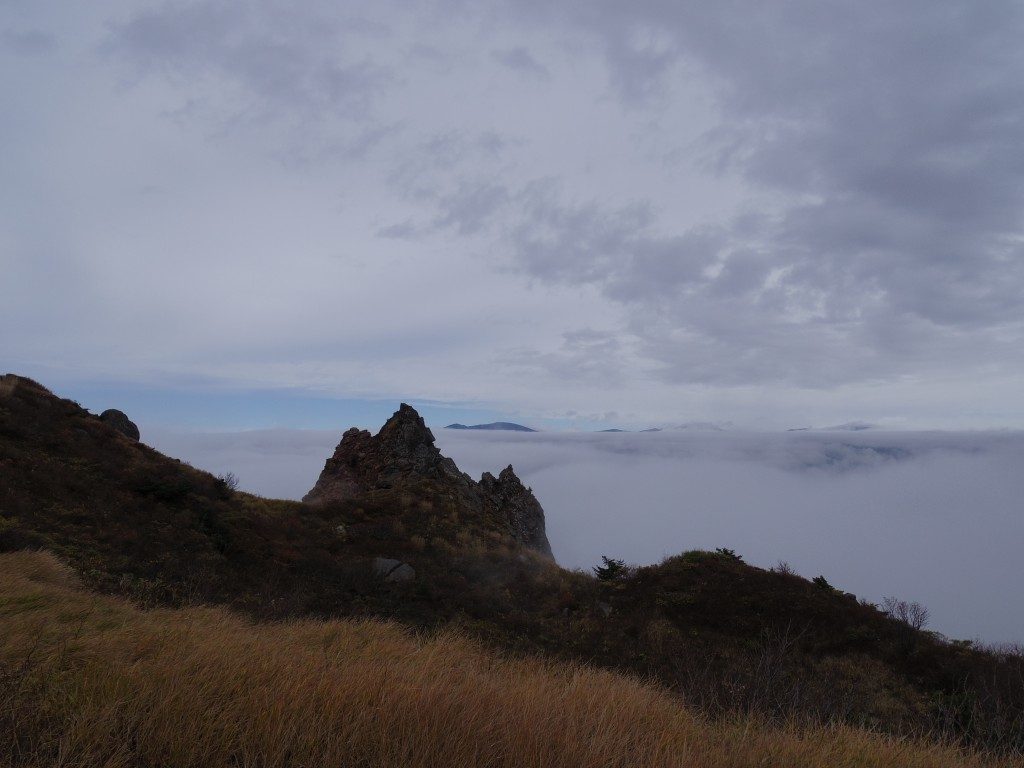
702 426
497 426
640 431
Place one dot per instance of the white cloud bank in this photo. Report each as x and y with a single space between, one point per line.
934 517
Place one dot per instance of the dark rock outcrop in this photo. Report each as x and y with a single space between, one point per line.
403 452
404 448
507 495
119 420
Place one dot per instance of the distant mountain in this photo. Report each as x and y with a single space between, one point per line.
503 426
850 426
703 426
651 429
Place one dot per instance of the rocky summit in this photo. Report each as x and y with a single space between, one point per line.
403 453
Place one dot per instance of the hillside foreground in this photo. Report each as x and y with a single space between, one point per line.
91 680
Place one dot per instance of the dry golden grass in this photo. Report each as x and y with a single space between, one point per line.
94 681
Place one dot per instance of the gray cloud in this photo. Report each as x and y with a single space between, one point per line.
31 42
404 230
263 65
471 206
521 60
584 355
432 170
886 134
573 242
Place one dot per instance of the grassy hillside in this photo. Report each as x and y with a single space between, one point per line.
95 681
729 638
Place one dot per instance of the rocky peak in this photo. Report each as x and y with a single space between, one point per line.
406 426
506 481
403 452
405 437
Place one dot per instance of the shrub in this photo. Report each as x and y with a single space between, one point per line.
729 554
612 570
822 583
228 481
912 614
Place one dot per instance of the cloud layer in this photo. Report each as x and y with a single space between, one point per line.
932 517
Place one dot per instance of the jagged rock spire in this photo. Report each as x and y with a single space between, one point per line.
404 451
406 426
525 514
405 437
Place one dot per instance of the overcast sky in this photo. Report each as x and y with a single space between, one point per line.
591 213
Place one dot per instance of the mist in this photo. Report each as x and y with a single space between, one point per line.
933 517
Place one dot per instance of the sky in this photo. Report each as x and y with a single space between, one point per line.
578 214
236 214
931 517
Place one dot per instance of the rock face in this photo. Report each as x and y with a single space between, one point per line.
119 420
508 495
403 452
403 448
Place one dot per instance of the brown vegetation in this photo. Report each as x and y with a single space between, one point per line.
93 681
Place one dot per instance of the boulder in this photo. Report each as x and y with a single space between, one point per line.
119 420
393 570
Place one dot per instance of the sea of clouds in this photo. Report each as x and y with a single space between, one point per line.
936 517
